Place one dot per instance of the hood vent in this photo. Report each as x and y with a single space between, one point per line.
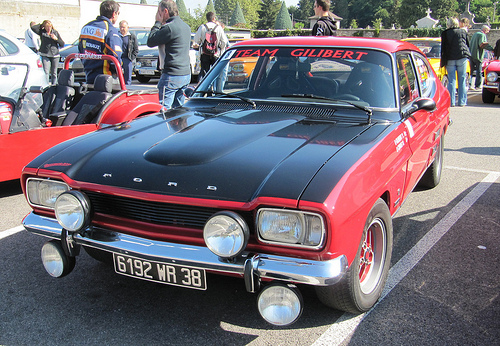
311 112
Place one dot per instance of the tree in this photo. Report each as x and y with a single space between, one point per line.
411 11
144 2
305 10
183 12
237 19
442 9
341 9
210 7
225 9
268 13
283 21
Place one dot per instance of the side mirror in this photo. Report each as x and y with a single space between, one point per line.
423 103
188 92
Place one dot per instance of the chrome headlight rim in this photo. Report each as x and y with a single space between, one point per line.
40 181
492 76
262 239
280 304
244 236
80 201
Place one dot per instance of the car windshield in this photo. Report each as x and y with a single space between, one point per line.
432 49
315 74
142 36
12 79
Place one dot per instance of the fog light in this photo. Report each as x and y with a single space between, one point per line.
55 261
72 210
226 234
280 305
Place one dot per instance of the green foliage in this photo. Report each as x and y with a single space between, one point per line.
283 20
424 32
377 25
237 17
354 24
298 25
225 9
183 12
305 10
268 13
278 33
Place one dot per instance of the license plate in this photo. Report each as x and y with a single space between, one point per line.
170 274
145 71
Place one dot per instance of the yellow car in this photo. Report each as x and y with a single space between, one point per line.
431 46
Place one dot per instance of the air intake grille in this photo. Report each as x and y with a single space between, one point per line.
314 112
152 212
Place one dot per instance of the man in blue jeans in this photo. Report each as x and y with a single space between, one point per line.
173 38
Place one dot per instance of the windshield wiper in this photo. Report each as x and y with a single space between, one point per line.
211 92
368 110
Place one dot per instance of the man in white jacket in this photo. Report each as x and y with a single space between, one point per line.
31 39
212 41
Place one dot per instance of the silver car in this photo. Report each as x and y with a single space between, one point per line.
14 51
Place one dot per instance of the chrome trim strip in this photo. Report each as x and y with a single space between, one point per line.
317 273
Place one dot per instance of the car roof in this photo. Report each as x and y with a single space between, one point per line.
433 39
388 45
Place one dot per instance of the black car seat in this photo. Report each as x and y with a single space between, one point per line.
58 98
368 82
87 109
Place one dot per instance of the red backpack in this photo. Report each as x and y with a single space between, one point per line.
209 45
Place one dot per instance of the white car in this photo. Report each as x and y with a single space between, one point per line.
14 51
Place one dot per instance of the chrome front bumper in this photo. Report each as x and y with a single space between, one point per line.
252 267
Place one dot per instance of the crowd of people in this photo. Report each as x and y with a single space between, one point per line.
457 51
172 36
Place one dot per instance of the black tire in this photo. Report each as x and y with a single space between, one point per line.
99 255
142 79
363 283
488 96
432 175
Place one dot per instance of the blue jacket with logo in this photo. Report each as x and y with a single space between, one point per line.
100 37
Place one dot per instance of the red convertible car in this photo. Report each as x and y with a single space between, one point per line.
287 179
491 83
35 120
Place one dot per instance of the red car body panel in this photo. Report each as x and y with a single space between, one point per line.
19 148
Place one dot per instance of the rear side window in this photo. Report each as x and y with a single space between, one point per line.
425 75
8 47
408 88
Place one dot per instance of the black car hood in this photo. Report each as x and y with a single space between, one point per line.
238 155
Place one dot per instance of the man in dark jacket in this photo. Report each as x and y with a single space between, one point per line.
325 26
130 49
454 55
172 37
101 37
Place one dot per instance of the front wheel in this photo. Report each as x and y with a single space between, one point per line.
364 281
432 175
488 96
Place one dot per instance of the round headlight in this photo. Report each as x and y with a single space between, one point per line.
72 210
226 234
55 261
280 305
491 77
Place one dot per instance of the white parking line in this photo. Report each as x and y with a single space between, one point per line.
9 232
345 326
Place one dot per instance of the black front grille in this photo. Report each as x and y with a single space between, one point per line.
151 212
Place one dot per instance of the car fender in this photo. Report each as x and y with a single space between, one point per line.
125 108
